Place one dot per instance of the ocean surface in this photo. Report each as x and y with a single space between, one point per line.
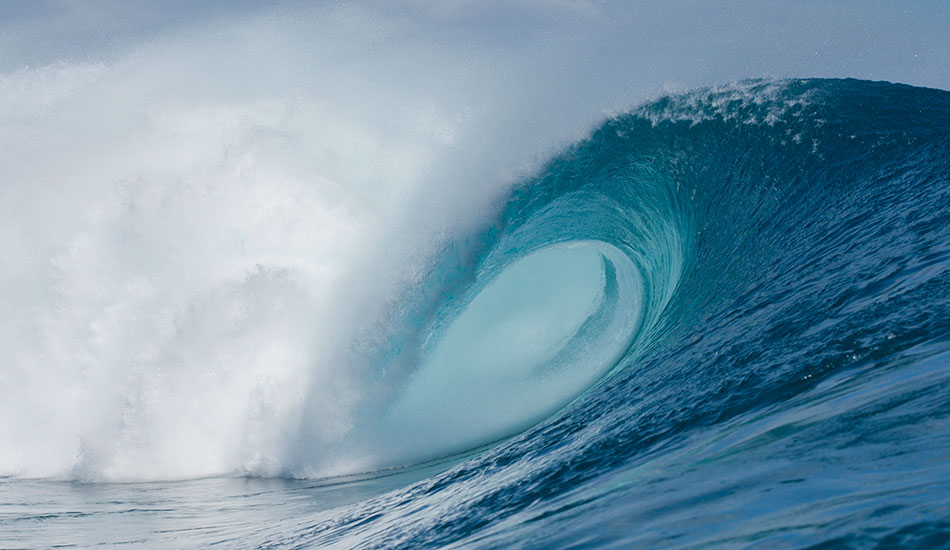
722 320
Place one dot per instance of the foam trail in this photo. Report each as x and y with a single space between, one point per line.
209 235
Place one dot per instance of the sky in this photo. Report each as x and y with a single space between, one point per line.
689 41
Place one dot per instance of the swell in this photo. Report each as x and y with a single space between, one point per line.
792 241
734 210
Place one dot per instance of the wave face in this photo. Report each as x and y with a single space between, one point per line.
721 320
787 371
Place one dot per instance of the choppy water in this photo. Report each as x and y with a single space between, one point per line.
721 320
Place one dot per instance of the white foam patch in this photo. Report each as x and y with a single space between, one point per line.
204 244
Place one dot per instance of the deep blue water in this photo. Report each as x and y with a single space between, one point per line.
774 302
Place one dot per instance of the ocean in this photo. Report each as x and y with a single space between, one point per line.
719 320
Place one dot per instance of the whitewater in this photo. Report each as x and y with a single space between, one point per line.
527 276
